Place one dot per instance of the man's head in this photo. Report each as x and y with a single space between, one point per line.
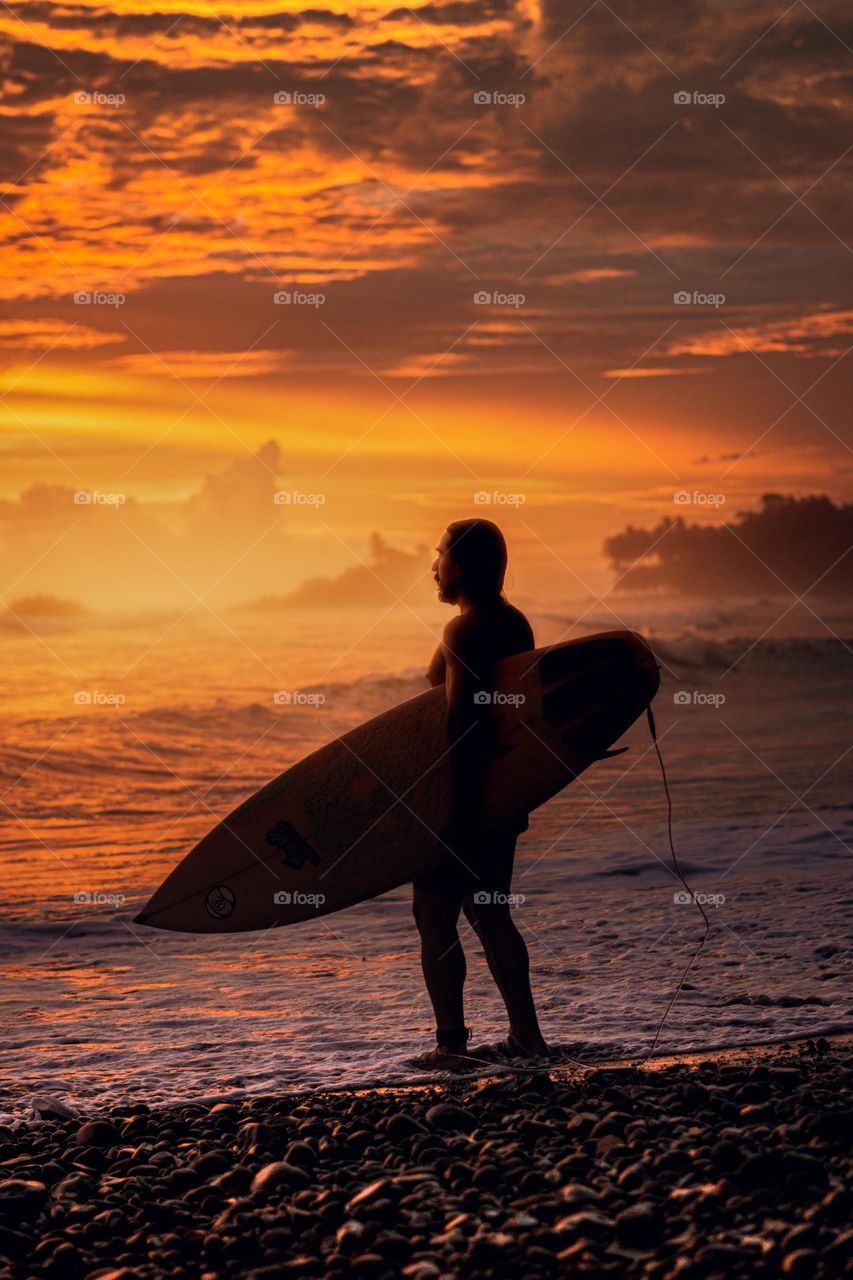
471 561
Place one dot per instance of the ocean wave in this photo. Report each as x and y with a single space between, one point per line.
791 655
28 933
692 647
380 689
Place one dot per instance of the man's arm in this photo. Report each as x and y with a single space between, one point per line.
437 670
467 724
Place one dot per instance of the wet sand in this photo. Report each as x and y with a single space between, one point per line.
727 1164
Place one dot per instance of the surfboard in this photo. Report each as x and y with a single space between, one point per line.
370 810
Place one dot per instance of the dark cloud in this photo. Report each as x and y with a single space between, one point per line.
23 143
457 14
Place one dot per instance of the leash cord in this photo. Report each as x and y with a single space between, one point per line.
696 954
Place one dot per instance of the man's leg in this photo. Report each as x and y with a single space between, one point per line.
442 959
506 954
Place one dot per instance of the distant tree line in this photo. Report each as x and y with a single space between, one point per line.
796 543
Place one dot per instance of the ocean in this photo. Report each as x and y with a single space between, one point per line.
126 737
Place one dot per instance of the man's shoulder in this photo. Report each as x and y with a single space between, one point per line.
518 614
479 627
474 623
519 628
462 632
460 625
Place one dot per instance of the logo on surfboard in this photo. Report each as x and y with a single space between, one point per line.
297 851
220 901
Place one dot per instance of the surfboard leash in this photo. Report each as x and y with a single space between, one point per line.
676 867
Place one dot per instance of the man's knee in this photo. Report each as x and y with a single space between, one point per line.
434 916
487 918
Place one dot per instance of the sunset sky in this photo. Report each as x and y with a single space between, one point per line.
181 164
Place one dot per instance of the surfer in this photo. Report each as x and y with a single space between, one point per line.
476 878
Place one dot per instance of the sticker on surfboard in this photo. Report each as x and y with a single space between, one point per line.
296 850
220 901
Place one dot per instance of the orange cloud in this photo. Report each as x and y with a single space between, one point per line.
203 364
590 275
672 371
40 335
807 335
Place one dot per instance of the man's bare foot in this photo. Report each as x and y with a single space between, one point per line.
486 1053
513 1047
439 1059
510 1047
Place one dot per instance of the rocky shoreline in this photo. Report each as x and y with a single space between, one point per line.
734 1164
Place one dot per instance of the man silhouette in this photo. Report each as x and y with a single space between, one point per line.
476 879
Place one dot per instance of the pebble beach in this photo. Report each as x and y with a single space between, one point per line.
736 1163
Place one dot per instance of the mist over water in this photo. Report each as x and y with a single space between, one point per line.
126 738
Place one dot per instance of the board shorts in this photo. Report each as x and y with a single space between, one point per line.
489 871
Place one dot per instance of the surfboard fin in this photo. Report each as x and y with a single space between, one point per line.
607 755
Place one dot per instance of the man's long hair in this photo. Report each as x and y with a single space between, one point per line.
479 549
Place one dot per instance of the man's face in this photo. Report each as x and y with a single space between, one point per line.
445 571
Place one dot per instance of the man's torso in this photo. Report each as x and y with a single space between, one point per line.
490 635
